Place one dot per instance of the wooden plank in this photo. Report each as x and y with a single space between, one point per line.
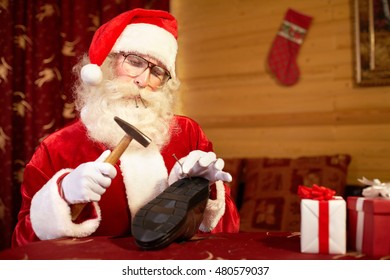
249 148
354 174
361 116
354 132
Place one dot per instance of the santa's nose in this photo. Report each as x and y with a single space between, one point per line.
142 79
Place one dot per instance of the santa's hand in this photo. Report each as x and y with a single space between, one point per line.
89 181
200 164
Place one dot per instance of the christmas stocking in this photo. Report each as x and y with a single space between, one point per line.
285 48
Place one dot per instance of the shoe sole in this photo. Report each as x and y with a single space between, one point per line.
160 222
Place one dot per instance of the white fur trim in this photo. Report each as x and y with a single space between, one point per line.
214 209
91 74
144 174
50 214
149 39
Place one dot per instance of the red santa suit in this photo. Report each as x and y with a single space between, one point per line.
141 175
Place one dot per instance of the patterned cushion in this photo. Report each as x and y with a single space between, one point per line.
270 200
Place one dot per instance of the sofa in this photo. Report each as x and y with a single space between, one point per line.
265 189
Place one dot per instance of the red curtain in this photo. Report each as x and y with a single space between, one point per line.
40 41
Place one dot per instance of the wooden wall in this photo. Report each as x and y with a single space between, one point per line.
223 47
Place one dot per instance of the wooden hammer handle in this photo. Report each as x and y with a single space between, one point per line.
118 150
113 158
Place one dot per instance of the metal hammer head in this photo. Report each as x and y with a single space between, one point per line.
133 132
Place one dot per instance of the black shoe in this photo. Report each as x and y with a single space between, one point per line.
174 215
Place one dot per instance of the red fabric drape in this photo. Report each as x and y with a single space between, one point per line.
40 41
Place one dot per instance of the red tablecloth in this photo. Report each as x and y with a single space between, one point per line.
249 246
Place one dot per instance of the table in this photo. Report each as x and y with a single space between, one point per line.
221 246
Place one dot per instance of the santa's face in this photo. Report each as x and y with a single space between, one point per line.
150 109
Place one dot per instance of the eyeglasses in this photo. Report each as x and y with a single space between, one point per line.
135 65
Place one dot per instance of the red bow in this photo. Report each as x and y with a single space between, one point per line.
316 192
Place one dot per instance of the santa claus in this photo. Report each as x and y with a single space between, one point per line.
129 73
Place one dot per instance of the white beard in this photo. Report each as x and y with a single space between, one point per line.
151 114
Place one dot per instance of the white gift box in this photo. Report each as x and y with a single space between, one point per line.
323 226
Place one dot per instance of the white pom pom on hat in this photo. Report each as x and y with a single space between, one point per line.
91 74
147 32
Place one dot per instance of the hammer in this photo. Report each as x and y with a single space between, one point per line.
131 133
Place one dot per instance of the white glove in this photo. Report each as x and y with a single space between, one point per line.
88 181
199 164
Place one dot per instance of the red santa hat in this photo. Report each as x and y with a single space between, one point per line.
147 32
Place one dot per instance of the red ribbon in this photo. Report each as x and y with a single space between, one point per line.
316 192
323 227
